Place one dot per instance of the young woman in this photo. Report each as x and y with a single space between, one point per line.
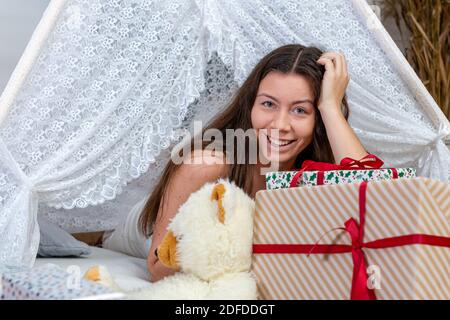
296 91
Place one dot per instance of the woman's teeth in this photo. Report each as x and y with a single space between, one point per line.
279 143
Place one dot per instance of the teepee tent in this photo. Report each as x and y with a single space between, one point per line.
105 89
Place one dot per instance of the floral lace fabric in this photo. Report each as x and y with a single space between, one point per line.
118 82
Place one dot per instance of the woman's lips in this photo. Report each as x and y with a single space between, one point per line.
279 143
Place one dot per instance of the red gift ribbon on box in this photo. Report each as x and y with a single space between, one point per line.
359 288
368 162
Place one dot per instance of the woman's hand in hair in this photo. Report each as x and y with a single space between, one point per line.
342 138
334 83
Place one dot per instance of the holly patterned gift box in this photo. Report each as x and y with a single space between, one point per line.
283 179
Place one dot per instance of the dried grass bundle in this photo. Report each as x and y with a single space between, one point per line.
429 52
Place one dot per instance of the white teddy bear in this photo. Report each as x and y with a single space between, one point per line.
210 241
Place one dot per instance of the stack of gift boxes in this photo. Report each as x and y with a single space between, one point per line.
352 231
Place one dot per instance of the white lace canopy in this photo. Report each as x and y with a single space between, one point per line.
105 88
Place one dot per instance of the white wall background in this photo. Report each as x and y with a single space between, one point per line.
400 37
18 18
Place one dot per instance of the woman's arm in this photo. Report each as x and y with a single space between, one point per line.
187 179
343 140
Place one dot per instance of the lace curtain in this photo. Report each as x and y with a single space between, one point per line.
115 84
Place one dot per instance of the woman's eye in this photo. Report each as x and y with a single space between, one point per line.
299 110
267 104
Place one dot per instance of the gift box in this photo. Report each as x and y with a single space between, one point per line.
382 239
283 179
349 170
51 282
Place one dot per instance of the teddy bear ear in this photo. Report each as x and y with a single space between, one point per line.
217 194
167 251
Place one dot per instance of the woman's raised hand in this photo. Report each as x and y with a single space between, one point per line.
335 81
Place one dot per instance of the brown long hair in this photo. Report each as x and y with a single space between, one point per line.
292 58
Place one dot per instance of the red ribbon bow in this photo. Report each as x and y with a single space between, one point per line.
368 162
359 289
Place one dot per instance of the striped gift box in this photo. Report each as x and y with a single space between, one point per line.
397 208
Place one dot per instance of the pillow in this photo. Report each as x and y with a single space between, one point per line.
56 242
127 238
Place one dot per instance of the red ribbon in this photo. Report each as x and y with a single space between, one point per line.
359 288
368 162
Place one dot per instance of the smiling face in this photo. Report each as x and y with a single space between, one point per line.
283 102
